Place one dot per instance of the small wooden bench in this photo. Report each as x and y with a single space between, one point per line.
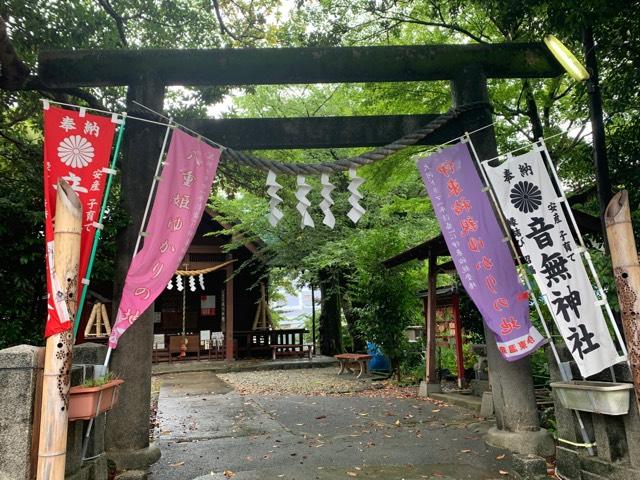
298 350
349 359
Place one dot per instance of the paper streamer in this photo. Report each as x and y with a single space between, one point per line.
327 201
303 202
275 214
356 211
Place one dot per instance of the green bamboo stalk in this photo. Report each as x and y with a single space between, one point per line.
96 239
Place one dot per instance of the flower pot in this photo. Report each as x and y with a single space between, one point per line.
597 397
86 403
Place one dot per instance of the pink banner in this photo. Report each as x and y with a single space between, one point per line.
185 184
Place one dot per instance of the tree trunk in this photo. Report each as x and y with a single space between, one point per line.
359 345
330 329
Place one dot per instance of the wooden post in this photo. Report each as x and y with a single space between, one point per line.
105 319
430 333
459 352
57 362
228 335
626 271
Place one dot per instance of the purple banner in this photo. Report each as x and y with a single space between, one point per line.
476 245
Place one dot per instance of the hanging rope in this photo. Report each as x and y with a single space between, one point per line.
195 273
372 156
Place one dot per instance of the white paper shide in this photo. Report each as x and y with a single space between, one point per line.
303 202
356 211
275 214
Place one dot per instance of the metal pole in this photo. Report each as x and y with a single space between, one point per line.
153 187
603 302
600 161
96 239
563 373
313 317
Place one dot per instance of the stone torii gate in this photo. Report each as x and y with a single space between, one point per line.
147 73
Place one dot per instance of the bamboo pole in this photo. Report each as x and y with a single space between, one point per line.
96 238
57 362
98 321
105 319
91 321
626 271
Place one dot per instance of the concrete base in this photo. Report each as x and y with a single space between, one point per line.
95 469
530 467
20 371
428 388
538 443
132 475
486 408
135 459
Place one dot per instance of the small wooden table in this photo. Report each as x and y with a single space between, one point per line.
349 359
291 350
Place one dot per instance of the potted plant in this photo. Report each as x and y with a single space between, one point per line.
93 397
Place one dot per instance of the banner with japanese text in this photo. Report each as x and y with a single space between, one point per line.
184 188
77 148
534 213
475 241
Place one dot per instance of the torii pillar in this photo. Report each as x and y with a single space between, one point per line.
127 431
517 425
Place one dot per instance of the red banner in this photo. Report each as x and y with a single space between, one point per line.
77 147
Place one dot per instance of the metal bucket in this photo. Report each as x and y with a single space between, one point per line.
597 397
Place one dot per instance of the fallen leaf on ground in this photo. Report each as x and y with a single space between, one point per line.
466 450
503 472
229 473
500 457
352 474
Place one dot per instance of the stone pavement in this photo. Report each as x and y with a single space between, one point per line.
205 428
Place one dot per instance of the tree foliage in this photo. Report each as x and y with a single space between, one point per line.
398 213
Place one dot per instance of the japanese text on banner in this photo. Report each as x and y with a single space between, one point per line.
76 148
185 185
536 218
476 245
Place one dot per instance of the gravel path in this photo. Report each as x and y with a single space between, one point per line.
315 381
308 381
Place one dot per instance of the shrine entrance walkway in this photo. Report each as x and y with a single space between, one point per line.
252 429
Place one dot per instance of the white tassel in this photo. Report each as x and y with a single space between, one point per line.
192 283
356 211
327 201
303 202
275 214
201 281
179 284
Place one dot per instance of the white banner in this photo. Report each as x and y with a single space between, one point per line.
533 210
